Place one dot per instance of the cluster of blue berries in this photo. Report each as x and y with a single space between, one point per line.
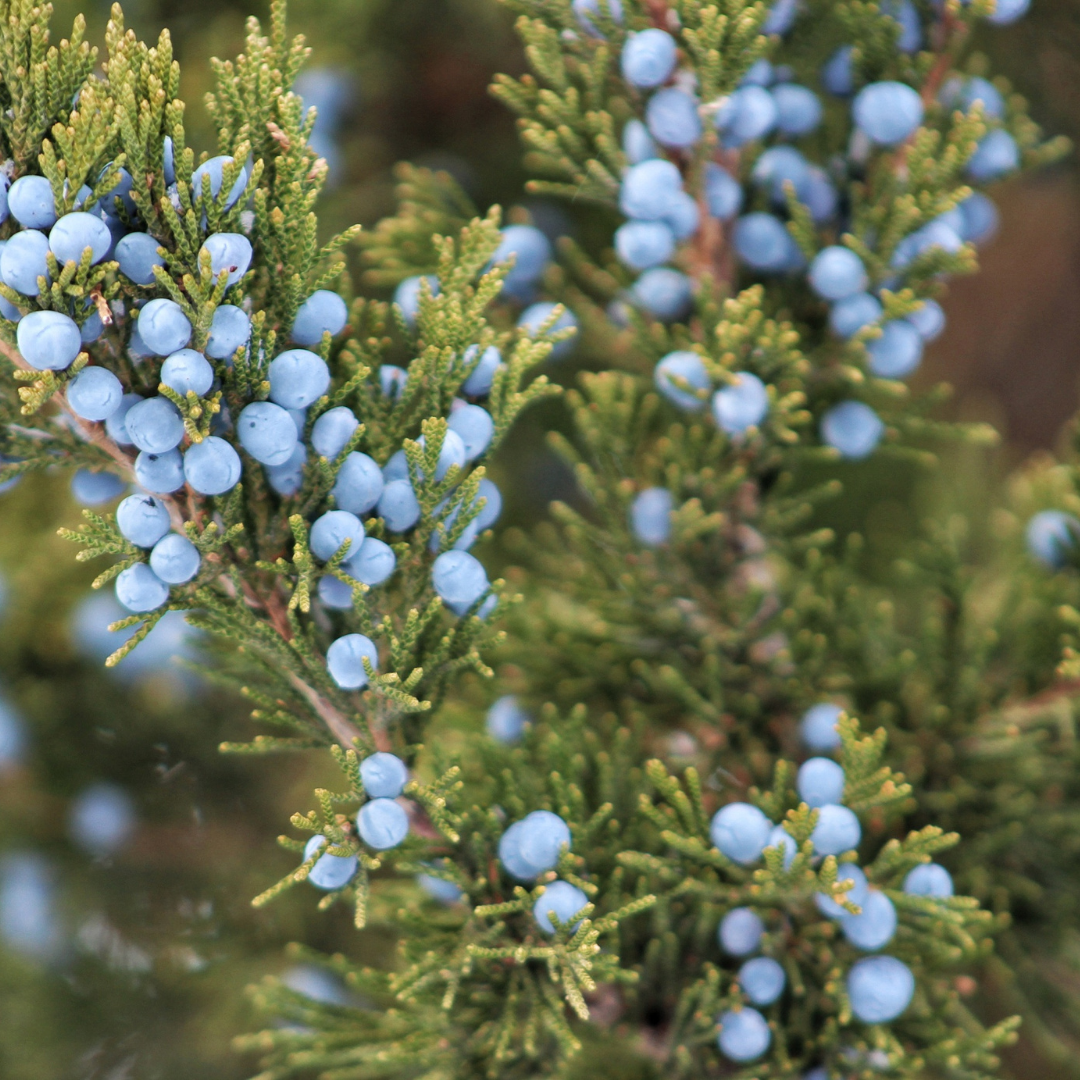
381 822
880 987
532 847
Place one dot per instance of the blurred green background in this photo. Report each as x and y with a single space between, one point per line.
137 966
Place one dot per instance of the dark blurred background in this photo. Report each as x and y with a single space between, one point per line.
133 842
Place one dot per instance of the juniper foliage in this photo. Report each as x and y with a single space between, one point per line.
667 675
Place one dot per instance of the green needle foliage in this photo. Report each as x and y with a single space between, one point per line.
668 673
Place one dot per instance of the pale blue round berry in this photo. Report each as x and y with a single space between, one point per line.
762 241
761 73
267 432
321 313
723 193
836 831
837 273
137 254
188 370
212 467
929 320
445 892
482 375
562 900
398 506
142 520
163 327
137 349
678 376
73 233
879 988
856 894
818 726
853 428
121 190
31 203
384 775
332 530
492 508
851 314
781 838
392 380
820 196
23 261
160 473
345 660
781 17
459 579
798 109
229 330
762 980
382 824
229 252
95 488
359 484
875 926
930 879
637 143
671 116
740 932
1051 537
650 516
820 781
155 425
979 218
996 155
329 871
776 168
648 58
531 251
541 839
474 426
974 90
887 112
92 328
587 10
683 215
288 479
647 189
94 394
373 563
744 1035
534 317
298 378
175 559
139 589
750 113
396 468
214 169
664 293
741 405
740 831
335 594
510 854
49 340
643 244
507 720
906 16
898 352
102 819
407 296
1008 11
837 76
332 431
